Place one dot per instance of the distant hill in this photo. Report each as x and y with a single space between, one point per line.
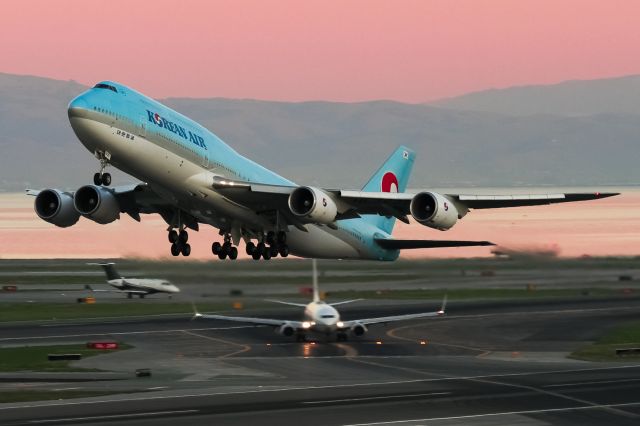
570 98
338 144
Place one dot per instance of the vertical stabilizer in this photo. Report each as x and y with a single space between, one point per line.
316 293
109 269
392 176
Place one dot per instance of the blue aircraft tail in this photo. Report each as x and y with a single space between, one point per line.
392 176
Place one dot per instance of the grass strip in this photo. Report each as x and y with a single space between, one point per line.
623 337
34 358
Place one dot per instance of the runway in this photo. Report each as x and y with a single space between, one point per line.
487 362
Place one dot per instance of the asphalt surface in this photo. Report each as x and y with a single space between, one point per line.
486 362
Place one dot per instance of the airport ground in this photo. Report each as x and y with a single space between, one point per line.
496 358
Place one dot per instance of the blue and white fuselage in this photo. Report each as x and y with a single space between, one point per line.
178 158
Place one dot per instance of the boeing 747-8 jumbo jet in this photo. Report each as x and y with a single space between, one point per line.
192 178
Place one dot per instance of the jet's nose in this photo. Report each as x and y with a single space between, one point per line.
78 107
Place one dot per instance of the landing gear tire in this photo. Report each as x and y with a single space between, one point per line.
222 255
250 248
175 249
216 248
186 250
284 251
256 255
106 179
266 255
273 251
183 236
173 236
233 253
97 179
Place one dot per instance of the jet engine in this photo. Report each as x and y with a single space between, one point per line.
358 329
286 330
314 204
434 210
56 207
97 203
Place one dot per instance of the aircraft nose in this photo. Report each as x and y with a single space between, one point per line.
78 107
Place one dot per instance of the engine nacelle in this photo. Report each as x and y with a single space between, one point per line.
358 329
434 210
286 330
313 204
56 207
97 203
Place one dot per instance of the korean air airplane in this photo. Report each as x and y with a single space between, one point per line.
192 178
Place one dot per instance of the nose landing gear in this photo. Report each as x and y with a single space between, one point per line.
102 178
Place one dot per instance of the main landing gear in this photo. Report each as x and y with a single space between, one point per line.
272 245
179 244
102 178
225 250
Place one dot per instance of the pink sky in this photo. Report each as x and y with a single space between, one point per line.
598 228
410 51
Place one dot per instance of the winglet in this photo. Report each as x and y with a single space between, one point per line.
196 314
441 312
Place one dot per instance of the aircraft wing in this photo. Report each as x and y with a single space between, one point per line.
249 320
99 290
394 318
352 204
282 302
133 199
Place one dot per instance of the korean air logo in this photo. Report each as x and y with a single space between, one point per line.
157 118
389 182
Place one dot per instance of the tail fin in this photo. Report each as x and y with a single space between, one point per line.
392 176
109 269
316 292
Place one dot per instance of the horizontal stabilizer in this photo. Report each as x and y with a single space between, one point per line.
391 244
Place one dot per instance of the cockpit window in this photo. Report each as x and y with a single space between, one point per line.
105 86
327 316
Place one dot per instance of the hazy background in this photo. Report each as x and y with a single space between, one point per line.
534 94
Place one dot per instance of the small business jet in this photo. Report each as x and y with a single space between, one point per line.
321 318
192 178
133 286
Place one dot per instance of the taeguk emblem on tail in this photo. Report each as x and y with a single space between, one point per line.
389 183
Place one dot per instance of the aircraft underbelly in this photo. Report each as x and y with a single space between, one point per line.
319 243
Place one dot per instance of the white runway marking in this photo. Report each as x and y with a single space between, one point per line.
600 382
376 398
505 413
114 416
